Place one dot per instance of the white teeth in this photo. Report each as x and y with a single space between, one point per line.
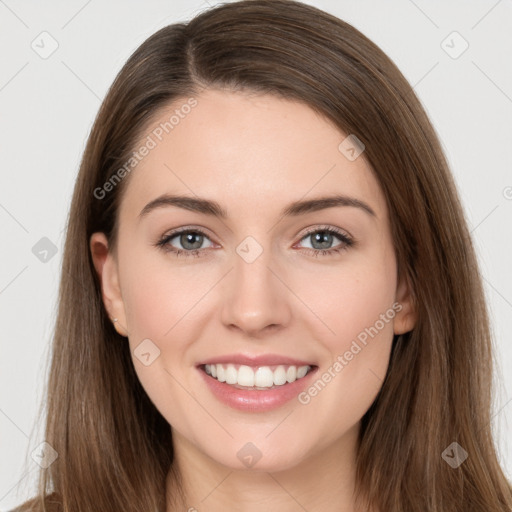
231 375
245 376
221 374
264 378
280 376
301 371
261 377
291 374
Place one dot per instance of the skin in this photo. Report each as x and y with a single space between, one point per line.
255 153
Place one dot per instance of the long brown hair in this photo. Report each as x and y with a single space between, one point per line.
114 447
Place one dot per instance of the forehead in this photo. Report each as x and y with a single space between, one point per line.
247 151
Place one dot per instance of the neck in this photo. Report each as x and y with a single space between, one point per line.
323 481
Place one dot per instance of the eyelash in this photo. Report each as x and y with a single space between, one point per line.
347 242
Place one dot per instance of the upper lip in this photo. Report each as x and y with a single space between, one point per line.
256 360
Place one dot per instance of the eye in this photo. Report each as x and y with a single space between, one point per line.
190 239
322 239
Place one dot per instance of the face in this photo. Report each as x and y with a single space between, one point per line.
262 294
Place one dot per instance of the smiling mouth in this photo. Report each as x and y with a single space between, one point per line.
259 378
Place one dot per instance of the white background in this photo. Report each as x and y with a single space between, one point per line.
47 107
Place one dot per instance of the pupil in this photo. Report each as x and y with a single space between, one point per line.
188 238
324 238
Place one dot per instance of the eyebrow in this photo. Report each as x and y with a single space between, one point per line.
214 209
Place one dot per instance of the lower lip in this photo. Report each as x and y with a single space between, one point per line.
252 400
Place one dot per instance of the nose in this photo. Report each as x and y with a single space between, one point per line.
256 300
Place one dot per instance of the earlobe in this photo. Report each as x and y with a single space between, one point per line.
107 271
406 318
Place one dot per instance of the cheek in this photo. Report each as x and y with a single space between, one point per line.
359 309
146 304
351 297
158 293
159 301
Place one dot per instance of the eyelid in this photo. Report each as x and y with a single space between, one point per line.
185 229
326 227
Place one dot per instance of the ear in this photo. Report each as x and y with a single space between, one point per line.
406 318
106 268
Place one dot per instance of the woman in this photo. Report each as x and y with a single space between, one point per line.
204 357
